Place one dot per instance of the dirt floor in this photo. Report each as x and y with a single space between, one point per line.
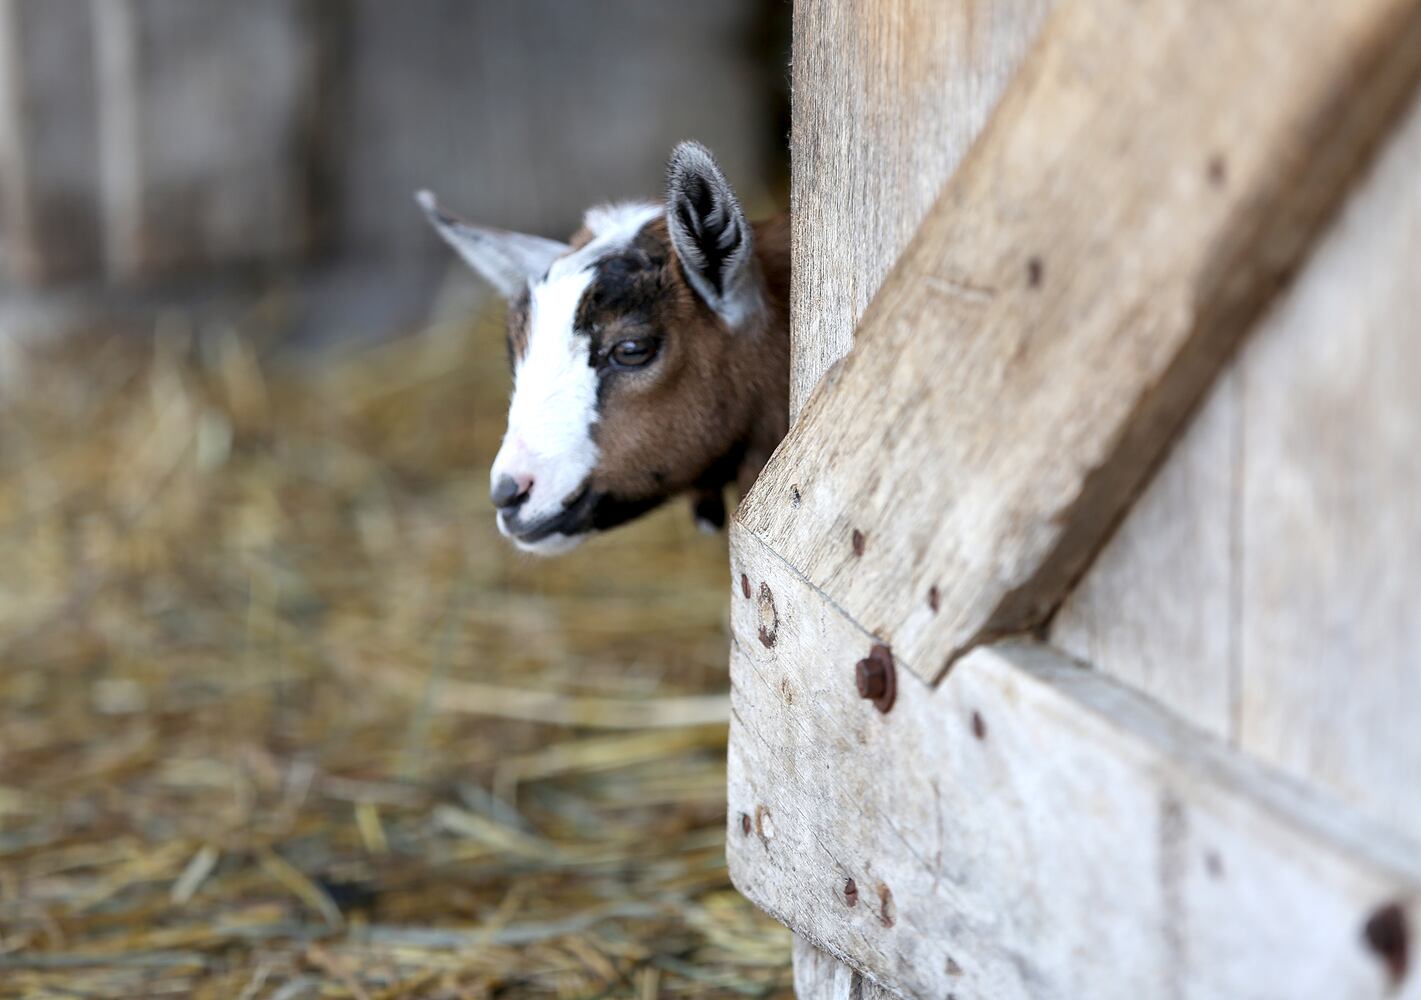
281 716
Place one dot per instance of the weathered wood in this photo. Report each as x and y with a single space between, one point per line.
888 96
1330 648
1146 181
1031 828
818 976
522 114
1158 607
1282 535
48 152
205 132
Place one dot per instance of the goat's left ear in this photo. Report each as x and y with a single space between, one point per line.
709 231
507 260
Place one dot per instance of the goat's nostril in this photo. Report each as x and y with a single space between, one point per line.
510 491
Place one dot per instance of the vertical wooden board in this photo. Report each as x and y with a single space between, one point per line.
1031 828
205 131
522 115
1157 608
818 976
888 96
49 177
1331 527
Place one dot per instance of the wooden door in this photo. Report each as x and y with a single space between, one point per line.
1082 777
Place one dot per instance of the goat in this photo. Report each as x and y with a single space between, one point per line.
650 356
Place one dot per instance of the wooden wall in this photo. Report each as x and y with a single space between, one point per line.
142 139
1267 585
873 143
1172 754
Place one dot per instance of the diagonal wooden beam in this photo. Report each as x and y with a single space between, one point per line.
1150 177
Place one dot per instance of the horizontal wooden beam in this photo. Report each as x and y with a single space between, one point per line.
1151 175
1032 828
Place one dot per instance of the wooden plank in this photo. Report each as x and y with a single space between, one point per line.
1331 506
1158 608
523 114
888 96
48 154
818 976
1033 829
1150 176
1281 538
205 132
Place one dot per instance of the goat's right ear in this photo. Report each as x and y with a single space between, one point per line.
508 260
709 231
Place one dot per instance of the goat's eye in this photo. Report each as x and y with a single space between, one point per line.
633 353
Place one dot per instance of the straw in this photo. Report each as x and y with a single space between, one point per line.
281 716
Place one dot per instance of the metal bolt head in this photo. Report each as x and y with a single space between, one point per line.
875 678
872 678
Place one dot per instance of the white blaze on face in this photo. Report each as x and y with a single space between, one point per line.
554 406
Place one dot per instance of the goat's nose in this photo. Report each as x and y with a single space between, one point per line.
510 491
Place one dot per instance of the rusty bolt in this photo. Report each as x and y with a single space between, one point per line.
744 584
872 679
876 679
859 541
851 892
745 824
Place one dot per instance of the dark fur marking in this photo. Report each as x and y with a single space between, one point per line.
710 508
517 333
707 412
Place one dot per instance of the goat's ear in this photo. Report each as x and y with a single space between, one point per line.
709 231
508 260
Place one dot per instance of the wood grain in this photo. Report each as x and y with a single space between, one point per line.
1150 176
204 132
1031 828
1158 608
818 976
1330 647
48 153
1266 585
888 97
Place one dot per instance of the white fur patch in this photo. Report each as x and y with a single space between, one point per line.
554 405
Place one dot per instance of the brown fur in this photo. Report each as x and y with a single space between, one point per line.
714 403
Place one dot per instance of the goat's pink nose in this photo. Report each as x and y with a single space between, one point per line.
510 491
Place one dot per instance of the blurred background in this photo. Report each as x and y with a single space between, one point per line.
280 714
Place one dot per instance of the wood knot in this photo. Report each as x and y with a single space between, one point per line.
1387 934
769 617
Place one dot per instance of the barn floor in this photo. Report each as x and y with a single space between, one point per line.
282 717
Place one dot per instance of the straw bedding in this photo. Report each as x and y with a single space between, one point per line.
281 716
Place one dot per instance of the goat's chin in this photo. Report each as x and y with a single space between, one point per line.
553 545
